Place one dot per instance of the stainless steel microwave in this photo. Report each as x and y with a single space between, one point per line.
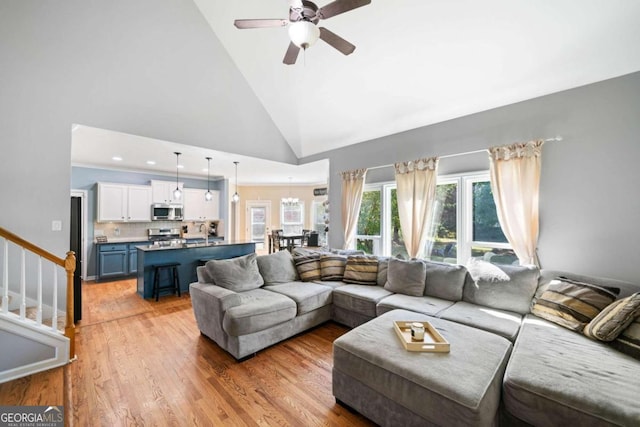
166 212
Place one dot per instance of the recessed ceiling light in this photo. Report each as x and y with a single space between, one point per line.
116 158
151 162
180 167
204 170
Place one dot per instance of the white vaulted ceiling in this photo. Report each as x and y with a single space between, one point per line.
419 62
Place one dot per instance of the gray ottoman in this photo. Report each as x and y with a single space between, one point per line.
376 376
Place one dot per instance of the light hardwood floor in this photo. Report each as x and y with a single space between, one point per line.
145 363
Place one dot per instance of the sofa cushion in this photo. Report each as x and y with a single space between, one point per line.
572 304
406 277
504 287
615 317
628 341
308 296
421 304
361 299
330 283
500 322
383 270
332 266
361 270
308 267
444 280
237 274
258 310
559 377
277 267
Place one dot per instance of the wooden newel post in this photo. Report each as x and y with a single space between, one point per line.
70 328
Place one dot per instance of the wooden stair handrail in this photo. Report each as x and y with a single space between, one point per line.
69 264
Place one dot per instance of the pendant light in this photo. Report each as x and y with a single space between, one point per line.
177 193
208 195
290 201
236 196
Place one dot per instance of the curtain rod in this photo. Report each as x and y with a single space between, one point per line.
446 156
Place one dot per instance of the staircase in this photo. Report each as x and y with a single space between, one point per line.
40 335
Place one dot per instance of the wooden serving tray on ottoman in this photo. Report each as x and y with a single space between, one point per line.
433 341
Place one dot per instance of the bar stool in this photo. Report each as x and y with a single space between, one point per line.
172 269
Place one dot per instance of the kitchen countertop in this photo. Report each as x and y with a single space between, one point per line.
151 248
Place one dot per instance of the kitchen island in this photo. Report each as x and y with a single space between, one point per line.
189 255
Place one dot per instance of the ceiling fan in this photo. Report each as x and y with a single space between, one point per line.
303 30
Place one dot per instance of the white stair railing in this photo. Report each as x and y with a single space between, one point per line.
69 266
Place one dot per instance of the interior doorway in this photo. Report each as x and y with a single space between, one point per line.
77 243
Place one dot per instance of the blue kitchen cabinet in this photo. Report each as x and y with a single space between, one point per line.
117 259
112 260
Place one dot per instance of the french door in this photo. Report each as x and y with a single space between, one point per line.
258 221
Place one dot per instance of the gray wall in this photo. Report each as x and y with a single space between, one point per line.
144 67
589 204
84 178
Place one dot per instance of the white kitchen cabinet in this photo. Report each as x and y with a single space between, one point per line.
139 203
196 208
163 191
124 203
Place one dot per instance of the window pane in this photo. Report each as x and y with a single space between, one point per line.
494 255
397 242
369 217
444 248
486 227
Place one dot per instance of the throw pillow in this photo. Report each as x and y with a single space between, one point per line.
308 267
406 277
236 274
277 267
628 341
503 287
332 266
361 270
383 269
572 304
608 324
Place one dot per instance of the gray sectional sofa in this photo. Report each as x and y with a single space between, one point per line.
520 369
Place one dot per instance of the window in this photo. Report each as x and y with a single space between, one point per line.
292 218
369 219
464 224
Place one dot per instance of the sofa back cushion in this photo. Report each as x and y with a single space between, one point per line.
406 277
308 267
361 270
236 274
505 287
383 269
332 266
277 267
444 280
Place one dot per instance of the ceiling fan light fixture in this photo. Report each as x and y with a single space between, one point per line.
303 33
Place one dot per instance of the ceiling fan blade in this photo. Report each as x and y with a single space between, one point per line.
340 6
259 23
291 55
336 41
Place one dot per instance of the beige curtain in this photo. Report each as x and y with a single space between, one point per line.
515 182
416 193
352 185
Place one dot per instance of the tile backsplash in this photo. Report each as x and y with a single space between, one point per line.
138 230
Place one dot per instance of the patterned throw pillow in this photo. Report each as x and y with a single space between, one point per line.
308 267
361 270
607 325
629 340
332 266
572 304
